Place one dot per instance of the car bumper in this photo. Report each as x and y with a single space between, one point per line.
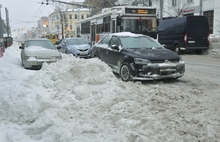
159 71
82 54
34 63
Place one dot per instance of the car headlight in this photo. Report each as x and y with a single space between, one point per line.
141 61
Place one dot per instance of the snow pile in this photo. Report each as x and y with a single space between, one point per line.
79 100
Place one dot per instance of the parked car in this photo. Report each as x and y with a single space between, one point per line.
76 46
187 33
138 57
34 52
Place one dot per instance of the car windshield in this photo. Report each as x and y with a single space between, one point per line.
42 43
76 41
139 42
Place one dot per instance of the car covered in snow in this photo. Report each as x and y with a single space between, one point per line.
138 57
34 52
79 47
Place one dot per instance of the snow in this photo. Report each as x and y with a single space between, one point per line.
80 100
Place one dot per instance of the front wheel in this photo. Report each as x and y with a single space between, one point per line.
177 49
125 72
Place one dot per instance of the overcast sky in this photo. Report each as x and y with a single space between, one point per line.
26 13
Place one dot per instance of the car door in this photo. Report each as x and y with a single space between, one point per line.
113 54
102 47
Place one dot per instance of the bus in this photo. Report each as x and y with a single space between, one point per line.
52 37
141 20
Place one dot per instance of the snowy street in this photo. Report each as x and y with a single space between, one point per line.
80 100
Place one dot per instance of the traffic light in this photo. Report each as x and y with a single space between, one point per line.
67 28
47 23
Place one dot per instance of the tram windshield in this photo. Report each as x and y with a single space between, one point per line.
138 25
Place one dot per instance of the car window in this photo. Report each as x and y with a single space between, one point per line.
42 43
139 42
114 41
105 40
76 42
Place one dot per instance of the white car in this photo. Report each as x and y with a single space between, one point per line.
34 52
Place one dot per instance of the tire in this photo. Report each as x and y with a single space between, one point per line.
22 62
125 72
199 51
177 49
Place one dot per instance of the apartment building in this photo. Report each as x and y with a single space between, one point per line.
63 22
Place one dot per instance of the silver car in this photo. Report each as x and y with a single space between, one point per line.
34 52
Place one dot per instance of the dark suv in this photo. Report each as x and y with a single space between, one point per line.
138 57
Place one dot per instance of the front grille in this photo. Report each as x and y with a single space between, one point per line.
162 61
167 70
83 50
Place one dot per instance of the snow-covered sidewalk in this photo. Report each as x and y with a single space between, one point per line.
79 100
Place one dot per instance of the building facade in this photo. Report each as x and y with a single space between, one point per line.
63 23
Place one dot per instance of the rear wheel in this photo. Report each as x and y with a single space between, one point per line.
125 72
199 51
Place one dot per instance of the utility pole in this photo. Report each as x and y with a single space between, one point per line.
161 10
61 18
200 9
7 22
2 48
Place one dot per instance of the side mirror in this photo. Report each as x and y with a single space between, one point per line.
114 46
164 45
21 47
58 47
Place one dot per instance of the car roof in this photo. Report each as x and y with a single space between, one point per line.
38 39
125 34
74 38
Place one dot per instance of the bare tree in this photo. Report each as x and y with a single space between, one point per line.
60 9
99 5
142 3
176 8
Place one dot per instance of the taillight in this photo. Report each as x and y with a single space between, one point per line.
185 38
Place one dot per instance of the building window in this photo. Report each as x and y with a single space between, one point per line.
82 16
189 1
173 2
70 16
75 16
210 17
71 27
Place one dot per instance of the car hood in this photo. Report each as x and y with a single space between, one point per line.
40 51
82 46
151 54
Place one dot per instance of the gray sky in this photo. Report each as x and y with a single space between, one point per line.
26 13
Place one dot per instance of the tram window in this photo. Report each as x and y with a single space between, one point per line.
107 27
99 28
106 23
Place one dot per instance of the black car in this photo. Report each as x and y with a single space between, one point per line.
138 57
